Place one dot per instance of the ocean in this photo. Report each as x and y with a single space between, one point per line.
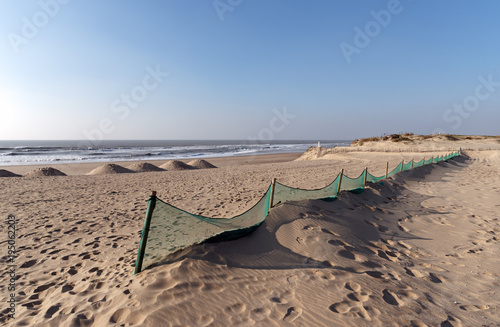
46 152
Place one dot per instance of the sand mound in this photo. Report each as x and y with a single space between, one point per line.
201 164
45 171
6 173
176 165
144 167
110 169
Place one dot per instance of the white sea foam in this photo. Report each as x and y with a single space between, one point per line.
41 152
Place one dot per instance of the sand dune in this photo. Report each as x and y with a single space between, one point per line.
46 171
418 249
176 165
144 167
107 169
201 164
429 145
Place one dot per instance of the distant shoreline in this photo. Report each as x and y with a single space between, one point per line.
84 168
75 152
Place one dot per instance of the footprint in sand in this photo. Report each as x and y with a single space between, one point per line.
322 275
403 228
285 298
326 231
292 280
235 309
414 273
52 310
347 254
28 264
474 307
353 305
358 296
391 298
119 315
260 314
374 273
205 320
371 223
451 322
388 255
405 245
435 278
337 242
67 288
353 286
292 314
431 266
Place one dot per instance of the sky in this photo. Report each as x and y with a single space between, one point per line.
241 69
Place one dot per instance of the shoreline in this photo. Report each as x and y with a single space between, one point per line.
82 168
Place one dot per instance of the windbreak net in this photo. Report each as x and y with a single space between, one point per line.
418 164
373 179
168 229
395 170
172 229
283 193
407 166
349 184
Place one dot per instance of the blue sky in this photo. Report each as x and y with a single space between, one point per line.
234 69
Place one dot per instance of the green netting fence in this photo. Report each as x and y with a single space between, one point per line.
168 229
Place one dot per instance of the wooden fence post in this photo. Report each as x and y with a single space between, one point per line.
340 180
145 232
273 184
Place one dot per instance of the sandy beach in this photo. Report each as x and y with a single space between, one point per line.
418 249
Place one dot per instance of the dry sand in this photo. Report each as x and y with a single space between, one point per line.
110 168
144 167
45 171
418 249
201 164
176 165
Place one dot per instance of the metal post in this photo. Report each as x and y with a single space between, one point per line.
145 232
272 193
366 175
412 163
386 169
340 180
402 162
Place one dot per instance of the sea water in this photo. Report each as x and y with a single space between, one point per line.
46 152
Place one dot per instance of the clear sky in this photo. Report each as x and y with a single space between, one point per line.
234 69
